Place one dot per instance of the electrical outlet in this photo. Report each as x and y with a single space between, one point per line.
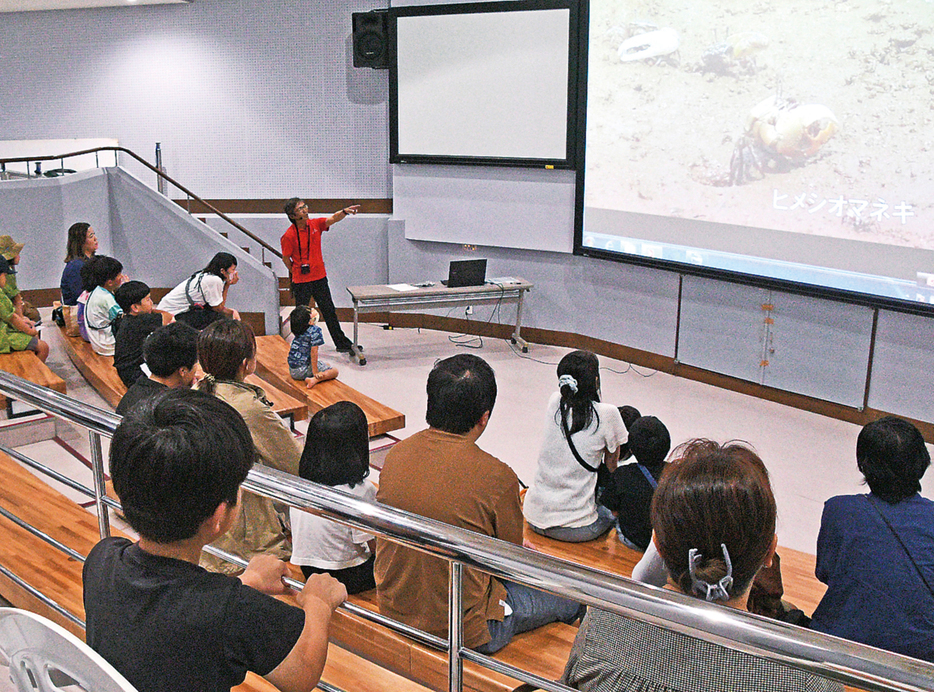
468 310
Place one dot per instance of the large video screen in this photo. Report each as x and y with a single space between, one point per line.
791 140
484 83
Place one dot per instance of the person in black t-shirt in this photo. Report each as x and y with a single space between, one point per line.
171 354
138 321
177 461
629 493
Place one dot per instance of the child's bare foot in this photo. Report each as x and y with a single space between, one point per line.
311 382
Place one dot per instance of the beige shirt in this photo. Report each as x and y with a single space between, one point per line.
260 527
445 477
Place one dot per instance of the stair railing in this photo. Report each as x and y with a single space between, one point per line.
831 657
162 175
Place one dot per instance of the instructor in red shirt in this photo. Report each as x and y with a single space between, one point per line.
301 253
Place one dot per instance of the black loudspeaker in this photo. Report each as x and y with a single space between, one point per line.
371 39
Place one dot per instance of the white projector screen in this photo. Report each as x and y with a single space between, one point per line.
482 83
791 140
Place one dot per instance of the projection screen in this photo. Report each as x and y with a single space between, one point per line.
791 141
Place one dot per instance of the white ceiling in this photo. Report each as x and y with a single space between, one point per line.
28 5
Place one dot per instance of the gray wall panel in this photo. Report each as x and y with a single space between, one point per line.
722 327
511 207
821 348
903 366
39 212
159 243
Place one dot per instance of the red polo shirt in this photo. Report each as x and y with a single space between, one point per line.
305 248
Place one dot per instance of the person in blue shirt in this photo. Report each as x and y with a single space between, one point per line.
303 354
875 552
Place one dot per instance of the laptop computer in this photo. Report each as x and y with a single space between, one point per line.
466 273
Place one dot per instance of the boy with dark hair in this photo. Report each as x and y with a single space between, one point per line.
101 276
442 474
138 321
177 462
631 487
171 354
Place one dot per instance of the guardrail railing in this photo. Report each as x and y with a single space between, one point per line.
837 659
161 175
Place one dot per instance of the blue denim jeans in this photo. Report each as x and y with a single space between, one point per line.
605 520
531 609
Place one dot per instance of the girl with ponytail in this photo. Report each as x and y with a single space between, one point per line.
580 434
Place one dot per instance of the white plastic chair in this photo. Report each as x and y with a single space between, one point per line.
43 656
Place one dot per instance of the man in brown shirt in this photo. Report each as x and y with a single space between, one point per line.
440 473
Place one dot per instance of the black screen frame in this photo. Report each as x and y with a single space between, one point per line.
813 290
570 161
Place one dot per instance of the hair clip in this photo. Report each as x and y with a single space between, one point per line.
711 592
569 381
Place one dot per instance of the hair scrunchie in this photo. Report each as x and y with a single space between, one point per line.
569 381
711 592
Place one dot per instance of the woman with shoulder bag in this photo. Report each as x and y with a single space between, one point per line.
580 434
201 299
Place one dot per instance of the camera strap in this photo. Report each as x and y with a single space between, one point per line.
301 256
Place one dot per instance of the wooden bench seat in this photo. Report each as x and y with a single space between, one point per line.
272 366
27 365
100 373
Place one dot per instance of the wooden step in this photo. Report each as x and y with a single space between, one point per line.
34 560
272 365
346 672
102 376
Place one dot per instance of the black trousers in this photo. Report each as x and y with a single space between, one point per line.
320 291
356 579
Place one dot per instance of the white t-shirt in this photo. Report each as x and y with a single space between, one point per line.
325 544
211 292
562 492
99 314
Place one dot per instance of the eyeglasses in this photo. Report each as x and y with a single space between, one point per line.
301 207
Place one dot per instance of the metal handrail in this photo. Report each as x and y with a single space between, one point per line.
831 657
160 173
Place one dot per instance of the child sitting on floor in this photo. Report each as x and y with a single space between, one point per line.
177 461
629 494
16 332
102 276
337 453
303 354
139 321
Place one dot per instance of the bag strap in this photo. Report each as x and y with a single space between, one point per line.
567 436
191 302
648 476
901 543
87 322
